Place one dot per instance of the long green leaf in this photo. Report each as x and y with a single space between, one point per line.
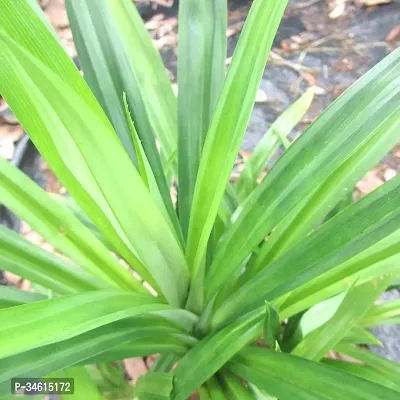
154 386
38 10
27 25
70 204
153 85
201 72
11 297
341 238
33 205
290 377
211 353
378 260
146 172
168 344
84 387
25 327
390 368
229 122
108 70
214 389
387 312
89 137
233 387
318 169
99 64
353 307
39 266
363 371
269 144
359 335
96 343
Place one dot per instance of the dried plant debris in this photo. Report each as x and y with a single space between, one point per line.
369 3
134 368
56 13
9 136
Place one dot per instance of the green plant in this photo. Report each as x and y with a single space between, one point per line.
236 316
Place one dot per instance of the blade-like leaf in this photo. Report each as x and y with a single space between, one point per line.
380 259
108 70
154 386
163 202
84 387
387 312
318 169
99 64
229 122
211 353
97 343
153 85
390 368
269 144
290 377
164 363
365 372
39 38
353 307
342 237
38 10
271 325
143 347
75 125
26 327
143 164
32 204
214 389
39 266
359 336
233 387
201 72
11 297
70 204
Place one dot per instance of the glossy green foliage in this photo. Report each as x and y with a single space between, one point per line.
241 288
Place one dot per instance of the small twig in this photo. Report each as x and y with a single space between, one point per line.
279 60
326 49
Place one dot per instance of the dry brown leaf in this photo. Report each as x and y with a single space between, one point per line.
234 29
394 34
245 154
310 78
34 238
337 9
347 358
261 96
135 367
389 174
154 22
150 360
285 46
7 148
369 183
9 135
57 14
12 279
11 132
